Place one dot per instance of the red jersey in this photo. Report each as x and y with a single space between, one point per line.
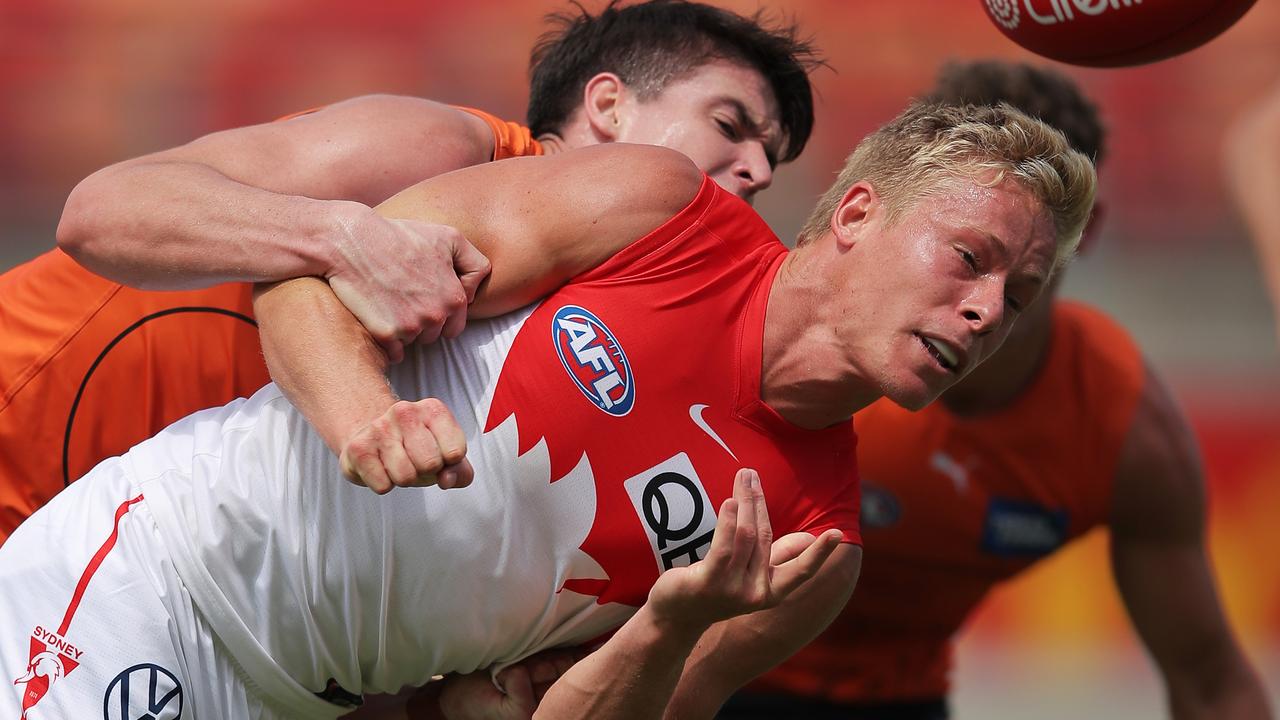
90 368
951 506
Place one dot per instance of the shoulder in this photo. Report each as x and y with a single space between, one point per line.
623 174
1159 485
1107 339
1103 364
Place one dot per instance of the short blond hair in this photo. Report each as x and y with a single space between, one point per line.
915 156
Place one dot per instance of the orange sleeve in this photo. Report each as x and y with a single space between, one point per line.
509 139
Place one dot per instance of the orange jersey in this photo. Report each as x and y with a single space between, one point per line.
90 368
953 505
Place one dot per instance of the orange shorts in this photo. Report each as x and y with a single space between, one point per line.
89 368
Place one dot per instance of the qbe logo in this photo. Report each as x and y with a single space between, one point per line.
594 359
675 511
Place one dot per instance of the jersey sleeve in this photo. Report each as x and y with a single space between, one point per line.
509 139
838 510
833 503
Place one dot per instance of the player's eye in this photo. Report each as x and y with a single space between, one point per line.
969 258
728 129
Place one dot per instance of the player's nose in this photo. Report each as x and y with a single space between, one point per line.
983 308
752 171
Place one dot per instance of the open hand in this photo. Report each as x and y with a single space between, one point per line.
744 570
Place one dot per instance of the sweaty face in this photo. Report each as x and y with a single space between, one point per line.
722 115
937 292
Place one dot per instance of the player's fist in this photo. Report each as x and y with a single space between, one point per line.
412 444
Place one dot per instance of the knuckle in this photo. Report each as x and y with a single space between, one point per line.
411 327
433 316
434 408
404 412
456 300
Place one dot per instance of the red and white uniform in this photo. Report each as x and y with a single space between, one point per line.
605 425
953 505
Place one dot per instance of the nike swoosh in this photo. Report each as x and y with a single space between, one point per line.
695 414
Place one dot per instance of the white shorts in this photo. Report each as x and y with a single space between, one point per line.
94 621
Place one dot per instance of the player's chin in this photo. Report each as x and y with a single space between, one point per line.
913 392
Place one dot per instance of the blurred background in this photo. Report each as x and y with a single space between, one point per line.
84 83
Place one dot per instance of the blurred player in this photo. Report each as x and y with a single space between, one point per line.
1253 168
603 423
89 367
1064 429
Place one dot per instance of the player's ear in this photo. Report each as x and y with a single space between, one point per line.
602 104
853 212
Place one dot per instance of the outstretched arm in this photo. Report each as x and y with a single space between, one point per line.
288 199
1163 572
541 221
1253 171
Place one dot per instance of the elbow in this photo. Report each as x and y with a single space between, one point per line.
76 229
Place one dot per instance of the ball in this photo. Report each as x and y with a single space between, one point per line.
1113 33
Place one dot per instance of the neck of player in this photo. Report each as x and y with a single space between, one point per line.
806 375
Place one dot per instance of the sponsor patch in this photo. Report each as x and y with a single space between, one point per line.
143 692
880 508
676 513
1020 528
590 353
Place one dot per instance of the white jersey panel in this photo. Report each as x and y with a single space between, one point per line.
299 571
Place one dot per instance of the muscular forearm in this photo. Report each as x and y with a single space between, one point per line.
272 201
172 224
322 358
631 676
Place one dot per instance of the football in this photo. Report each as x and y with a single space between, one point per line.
1113 33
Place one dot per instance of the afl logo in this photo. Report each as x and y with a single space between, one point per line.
594 359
